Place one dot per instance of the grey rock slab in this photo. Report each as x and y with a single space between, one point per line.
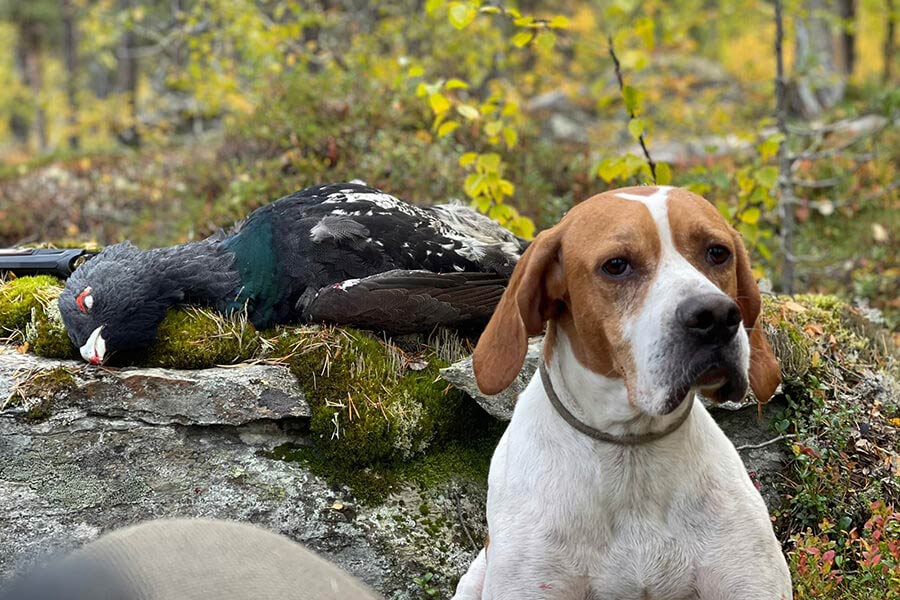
217 396
499 406
63 487
137 444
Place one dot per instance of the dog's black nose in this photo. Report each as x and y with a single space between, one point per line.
709 318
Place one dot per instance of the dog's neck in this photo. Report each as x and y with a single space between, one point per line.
596 400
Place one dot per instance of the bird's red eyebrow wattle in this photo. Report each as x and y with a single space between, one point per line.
80 299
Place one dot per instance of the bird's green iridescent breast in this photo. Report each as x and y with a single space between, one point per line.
255 260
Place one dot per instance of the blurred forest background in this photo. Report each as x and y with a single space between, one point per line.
160 121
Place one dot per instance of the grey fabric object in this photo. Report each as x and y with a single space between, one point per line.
193 559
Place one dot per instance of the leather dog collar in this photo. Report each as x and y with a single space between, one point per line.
602 436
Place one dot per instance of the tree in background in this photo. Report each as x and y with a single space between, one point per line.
37 26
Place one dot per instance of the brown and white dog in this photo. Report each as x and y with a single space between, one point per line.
612 481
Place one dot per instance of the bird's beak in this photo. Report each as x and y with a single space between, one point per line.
94 348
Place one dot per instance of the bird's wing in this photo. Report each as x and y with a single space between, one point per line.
403 301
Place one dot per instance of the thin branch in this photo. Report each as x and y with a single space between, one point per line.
462 522
816 183
840 148
788 436
612 53
885 190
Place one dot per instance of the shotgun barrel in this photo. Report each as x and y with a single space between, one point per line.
42 261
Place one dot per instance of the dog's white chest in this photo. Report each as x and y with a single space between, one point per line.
642 563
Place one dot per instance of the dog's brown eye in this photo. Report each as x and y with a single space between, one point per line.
617 267
717 255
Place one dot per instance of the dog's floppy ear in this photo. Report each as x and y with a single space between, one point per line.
765 373
529 300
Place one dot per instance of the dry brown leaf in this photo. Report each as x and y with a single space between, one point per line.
794 307
813 329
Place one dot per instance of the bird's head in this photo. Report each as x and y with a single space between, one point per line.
115 302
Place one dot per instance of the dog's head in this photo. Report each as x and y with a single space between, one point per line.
650 285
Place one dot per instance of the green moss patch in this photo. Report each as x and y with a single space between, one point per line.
462 460
371 400
194 338
19 297
377 407
46 333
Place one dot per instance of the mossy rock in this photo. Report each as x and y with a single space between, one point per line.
19 297
194 338
811 334
371 401
41 390
46 333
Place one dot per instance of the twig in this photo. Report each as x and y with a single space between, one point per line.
612 53
834 150
787 436
886 189
462 522
816 183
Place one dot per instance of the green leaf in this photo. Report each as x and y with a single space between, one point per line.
769 147
724 208
632 99
467 159
523 227
663 174
490 10
456 84
433 5
489 162
421 90
482 204
439 104
750 216
416 71
461 14
493 128
643 28
636 128
766 177
546 40
473 185
447 128
523 38
610 168
501 212
510 136
633 164
468 111
559 22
